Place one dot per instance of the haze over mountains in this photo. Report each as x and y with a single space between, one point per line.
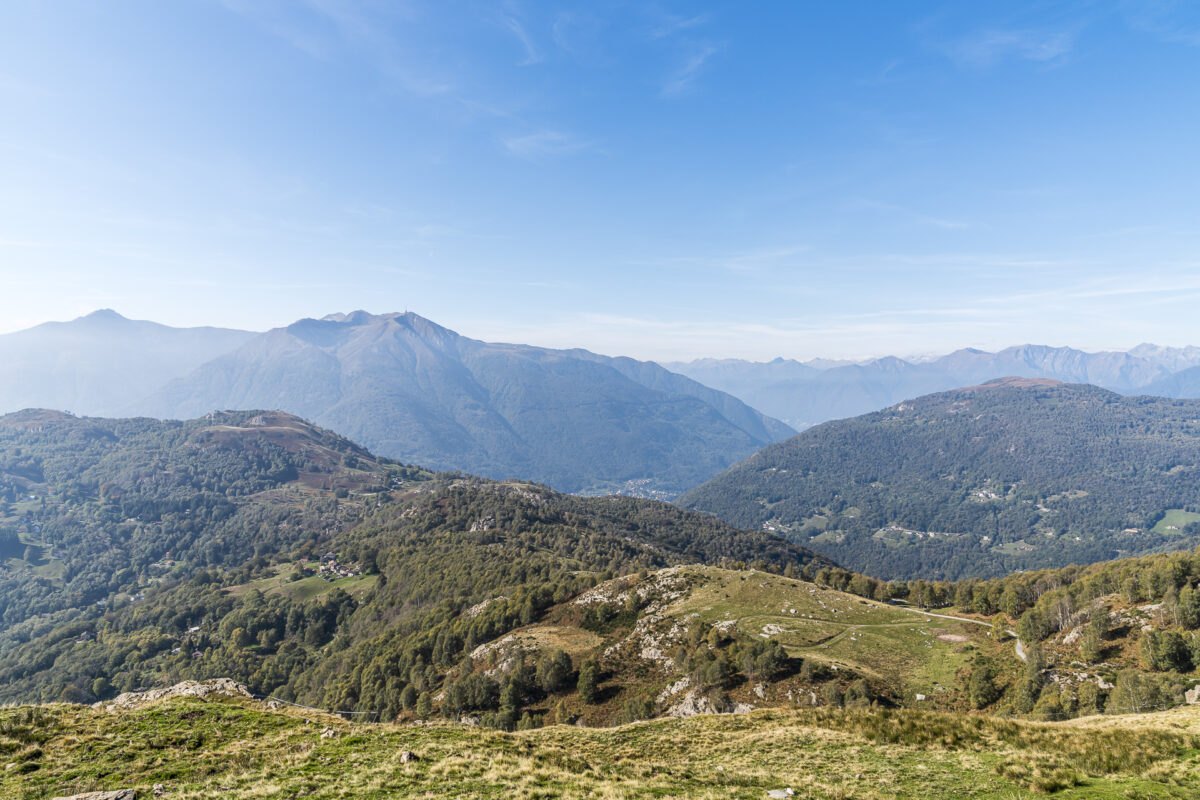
803 394
580 422
100 363
409 389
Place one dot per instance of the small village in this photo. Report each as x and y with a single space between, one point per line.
329 568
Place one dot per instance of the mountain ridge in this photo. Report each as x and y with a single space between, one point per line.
412 389
808 396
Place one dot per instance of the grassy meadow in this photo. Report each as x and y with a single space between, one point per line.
238 749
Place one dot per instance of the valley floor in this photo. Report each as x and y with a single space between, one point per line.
237 749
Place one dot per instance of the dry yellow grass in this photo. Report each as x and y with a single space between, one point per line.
238 750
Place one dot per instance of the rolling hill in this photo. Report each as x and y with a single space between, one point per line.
820 721
256 547
261 532
1013 474
413 390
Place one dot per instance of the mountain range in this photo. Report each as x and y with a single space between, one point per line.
806 393
409 389
1018 473
580 422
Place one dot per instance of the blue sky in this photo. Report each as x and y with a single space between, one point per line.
663 180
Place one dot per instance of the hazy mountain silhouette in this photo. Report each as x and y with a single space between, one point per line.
803 394
413 390
100 363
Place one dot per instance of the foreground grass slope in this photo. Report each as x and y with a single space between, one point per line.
236 748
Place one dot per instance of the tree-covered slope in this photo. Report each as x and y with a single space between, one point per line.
1013 474
89 506
256 546
410 389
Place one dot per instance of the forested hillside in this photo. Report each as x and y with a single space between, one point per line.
92 509
1014 474
255 546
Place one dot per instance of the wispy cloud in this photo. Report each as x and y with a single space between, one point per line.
669 24
514 26
916 217
681 79
320 28
757 259
1170 20
313 42
546 144
1141 285
988 47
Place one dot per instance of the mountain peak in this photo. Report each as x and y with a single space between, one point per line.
358 317
106 315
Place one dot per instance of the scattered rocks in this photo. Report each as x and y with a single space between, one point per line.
159 790
119 794
1192 696
780 794
799 697
771 629
408 756
470 722
328 733
216 686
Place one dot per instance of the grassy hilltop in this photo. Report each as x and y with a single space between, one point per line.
237 749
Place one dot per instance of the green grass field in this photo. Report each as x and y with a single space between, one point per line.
1173 521
918 653
235 749
305 588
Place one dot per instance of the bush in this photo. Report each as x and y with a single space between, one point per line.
554 671
588 684
981 686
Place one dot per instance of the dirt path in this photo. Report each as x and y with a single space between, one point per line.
1020 648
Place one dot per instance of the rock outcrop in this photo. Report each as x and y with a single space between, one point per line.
216 686
693 704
